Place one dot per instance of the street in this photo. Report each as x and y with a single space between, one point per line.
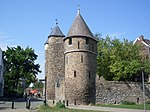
19 105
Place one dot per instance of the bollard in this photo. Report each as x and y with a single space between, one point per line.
28 103
74 102
67 103
12 107
53 101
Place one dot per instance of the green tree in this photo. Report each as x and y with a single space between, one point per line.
120 61
38 85
19 65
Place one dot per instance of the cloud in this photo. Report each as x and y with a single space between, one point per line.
6 40
144 16
118 35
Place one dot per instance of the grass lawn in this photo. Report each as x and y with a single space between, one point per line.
137 106
55 109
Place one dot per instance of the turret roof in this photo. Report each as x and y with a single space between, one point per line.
79 27
56 32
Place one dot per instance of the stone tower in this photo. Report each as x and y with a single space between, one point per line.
54 56
80 63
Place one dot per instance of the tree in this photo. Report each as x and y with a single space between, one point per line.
19 65
38 85
119 61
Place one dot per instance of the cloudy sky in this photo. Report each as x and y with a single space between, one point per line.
29 22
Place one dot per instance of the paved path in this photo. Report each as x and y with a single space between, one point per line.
107 109
19 106
16 110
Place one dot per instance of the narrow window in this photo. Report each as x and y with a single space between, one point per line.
70 41
87 40
81 58
92 47
74 73
58 84
78 45
89 74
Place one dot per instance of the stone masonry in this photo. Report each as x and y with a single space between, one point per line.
80 71
54 61
113 92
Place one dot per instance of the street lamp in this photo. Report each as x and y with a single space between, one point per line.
143 89
23 84
45 88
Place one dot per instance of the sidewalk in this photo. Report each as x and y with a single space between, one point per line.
15 110
107 109
19 106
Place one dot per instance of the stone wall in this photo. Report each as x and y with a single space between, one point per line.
115 92
60 90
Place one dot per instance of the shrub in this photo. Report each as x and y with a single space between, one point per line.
128 103
60 105
148 102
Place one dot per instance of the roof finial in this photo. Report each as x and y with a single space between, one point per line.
78 9
56 20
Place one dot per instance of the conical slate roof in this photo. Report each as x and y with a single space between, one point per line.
56 32
46 42
79 27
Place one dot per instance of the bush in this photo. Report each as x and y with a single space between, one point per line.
128 103
148 102
60 105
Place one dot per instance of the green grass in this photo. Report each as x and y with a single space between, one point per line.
136 106
55 109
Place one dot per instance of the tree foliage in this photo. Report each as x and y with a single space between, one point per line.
120 61
19 65
38 85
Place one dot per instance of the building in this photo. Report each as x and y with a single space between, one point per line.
145 48
71 65
145 44
1 75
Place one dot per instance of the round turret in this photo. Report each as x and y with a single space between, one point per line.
54 54
80 63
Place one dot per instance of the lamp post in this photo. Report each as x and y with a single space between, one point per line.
45 88
23 85
143 90
142 69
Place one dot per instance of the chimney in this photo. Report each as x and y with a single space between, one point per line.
141 37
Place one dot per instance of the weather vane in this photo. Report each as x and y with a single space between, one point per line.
78 9
56 21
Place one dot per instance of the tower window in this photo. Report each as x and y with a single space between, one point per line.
81 58
78 45
58 84
87 40
70 41
75 74
92 47
89 74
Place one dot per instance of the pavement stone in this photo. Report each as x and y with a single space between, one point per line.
19 106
